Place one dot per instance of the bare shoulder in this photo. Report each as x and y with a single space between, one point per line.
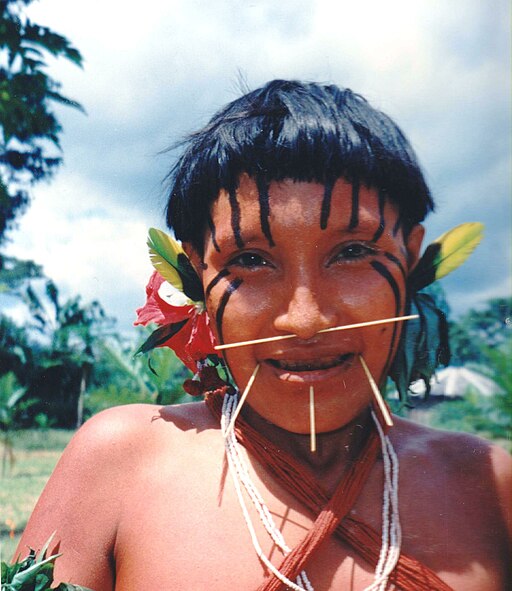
479 471
455 450
115 442
85 497
123 428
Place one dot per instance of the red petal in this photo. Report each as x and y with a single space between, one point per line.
157 310
202 341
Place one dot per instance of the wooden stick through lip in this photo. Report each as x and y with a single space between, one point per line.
377 395
242 400
333 329
312 424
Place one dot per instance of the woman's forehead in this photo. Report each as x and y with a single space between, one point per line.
343 205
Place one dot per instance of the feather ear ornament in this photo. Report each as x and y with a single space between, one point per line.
175 303
424 342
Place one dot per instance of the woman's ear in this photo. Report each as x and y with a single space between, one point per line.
413 245
195 258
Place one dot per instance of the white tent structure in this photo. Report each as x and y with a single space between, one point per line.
454 382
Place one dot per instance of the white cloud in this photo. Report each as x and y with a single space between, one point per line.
87 244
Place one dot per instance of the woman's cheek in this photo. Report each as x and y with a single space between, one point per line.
235 309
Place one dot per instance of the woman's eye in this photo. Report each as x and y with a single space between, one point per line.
249 260
354 251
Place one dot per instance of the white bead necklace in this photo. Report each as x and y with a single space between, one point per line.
391 531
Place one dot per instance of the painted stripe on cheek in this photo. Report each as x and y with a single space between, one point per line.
235 218
396 261
214 281
232 287
264 200
384 272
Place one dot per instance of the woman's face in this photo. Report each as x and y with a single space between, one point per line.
297 261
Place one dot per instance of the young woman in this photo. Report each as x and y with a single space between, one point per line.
299 207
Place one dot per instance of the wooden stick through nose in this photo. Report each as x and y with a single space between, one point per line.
377 395
241 401
332 329
312 425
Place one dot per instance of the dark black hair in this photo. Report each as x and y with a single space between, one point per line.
297 130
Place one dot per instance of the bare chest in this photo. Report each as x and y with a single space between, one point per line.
183 528
187 531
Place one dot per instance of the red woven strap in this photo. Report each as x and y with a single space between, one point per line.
409 574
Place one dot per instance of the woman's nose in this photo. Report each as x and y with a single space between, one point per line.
305 313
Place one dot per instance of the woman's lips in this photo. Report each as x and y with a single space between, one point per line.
305 370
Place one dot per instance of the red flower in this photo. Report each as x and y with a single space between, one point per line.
193 342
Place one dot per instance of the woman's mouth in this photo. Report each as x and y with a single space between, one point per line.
309 369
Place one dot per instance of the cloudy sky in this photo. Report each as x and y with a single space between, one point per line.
156 70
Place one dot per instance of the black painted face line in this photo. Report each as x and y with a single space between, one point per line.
264 200
397 262
219 315
235 218
214 281
384 271
354 215
382 221
326 204
211 225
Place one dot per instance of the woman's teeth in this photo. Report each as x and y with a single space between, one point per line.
312 365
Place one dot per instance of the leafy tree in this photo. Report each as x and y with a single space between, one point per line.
29 128
477 331
15 273
73 332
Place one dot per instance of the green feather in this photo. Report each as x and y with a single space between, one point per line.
423 345
170 260
445 254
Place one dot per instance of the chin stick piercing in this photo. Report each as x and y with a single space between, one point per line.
312 424
377 395
333 329
241 401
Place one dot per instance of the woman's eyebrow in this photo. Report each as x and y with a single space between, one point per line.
227 240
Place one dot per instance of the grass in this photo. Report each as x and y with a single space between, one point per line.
36 454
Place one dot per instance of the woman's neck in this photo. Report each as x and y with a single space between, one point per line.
335 450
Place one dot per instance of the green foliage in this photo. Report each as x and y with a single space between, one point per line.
53 355
34 573
477 331
474 414
15 273
101 398
166 374
49 440
28 125
135 379
10 397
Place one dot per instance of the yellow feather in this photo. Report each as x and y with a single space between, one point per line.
456 246
163 253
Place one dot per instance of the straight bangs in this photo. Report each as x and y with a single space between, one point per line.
299 131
